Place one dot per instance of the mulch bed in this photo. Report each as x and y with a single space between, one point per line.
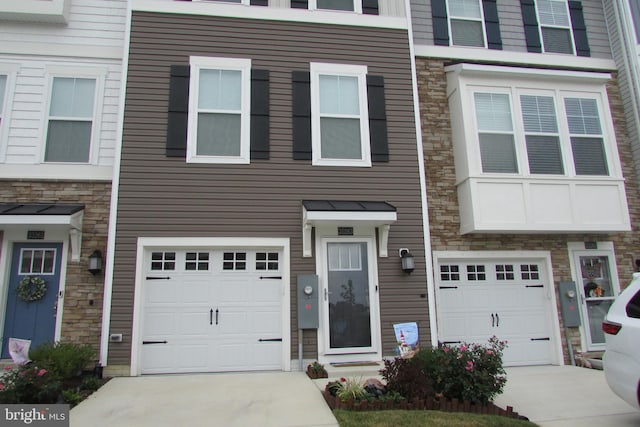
433 403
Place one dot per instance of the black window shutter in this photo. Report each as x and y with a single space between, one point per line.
492 24
301 115
299 4
259 2
259 114
440 22
377 119
178 111
530 21
370 7
579 28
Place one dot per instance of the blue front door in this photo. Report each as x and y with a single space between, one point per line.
32 320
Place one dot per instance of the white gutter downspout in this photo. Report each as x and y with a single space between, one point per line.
113 210
431 295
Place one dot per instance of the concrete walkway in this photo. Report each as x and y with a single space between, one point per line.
565 396
550 396
266 399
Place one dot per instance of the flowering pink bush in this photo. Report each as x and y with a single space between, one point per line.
471 372
28 384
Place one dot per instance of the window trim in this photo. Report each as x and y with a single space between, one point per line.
97 74
243 65
568 28
481 20
9 70
357 7
360 72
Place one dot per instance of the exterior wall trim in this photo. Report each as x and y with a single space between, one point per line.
269 13
515 58
56 49
151 242
544 256
426 230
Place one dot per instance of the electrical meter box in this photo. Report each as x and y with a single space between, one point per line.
569 304
308 301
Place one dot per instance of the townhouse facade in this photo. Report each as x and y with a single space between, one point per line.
60 83
531 187
269 149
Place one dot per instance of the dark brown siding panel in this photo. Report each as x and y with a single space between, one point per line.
167 197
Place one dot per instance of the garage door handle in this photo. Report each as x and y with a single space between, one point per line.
497 320
154 342
493 320
270 339
541 339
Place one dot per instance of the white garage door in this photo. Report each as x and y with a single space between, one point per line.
211 310
477 299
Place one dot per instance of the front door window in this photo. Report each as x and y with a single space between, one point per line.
347 297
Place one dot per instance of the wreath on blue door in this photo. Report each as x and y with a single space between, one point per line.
32 288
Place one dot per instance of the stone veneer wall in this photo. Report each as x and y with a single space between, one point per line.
82 315
442 197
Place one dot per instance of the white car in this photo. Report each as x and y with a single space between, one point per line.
622 333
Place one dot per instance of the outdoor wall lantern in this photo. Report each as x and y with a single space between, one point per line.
408 264
95 262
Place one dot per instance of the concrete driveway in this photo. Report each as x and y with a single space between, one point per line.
239 399
564 396
551 396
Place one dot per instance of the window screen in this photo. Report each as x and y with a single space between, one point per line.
587 141
466 23
555 26
219 112
335 4
541 134
340 117
70 120
495 126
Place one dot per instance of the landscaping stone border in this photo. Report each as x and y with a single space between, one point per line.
433 404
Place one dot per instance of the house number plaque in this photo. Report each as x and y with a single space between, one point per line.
35 235
345 231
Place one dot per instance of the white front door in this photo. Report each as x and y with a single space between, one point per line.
211 310
350 307
509 298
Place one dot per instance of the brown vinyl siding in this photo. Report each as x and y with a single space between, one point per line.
161 196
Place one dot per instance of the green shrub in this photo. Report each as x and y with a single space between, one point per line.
64 359
29 384
407 378
91 383
71 397
471 372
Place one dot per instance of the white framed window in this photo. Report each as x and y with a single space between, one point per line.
587 140
553 133
71 117
495 132
340 119
219 110
555 26
341 5
541 134
466 23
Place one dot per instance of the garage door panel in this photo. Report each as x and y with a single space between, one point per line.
266 321
194 324
161 292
